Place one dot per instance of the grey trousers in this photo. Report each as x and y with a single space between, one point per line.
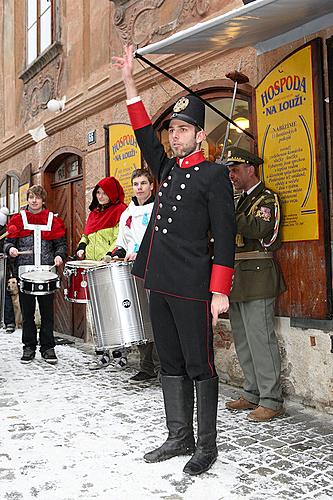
257 349
149 360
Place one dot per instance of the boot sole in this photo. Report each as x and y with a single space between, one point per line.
162 459
278 415
205 469
151 379
247 408
26 362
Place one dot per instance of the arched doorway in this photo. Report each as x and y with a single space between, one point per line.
63 179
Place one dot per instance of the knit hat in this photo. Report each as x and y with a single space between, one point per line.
3 216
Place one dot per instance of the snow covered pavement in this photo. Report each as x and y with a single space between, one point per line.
67 433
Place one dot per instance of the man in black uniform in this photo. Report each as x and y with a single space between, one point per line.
194 198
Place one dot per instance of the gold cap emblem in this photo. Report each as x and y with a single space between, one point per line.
181 104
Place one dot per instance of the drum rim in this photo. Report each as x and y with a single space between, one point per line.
94 263
52 277
107 265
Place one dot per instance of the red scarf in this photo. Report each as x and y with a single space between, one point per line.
102 219
16 230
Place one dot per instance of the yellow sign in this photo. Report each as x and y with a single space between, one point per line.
124 154
23 194
286 139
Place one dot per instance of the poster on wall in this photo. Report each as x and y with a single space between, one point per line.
123 155
23 194
286 142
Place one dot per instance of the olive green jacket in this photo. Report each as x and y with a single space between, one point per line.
258 230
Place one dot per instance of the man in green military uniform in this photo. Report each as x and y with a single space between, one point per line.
257 281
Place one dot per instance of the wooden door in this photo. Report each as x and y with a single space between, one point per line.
68 202
78 216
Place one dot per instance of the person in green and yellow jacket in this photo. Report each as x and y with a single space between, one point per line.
257 282
101 229
99 238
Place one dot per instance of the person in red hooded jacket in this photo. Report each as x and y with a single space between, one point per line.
99 238
101 229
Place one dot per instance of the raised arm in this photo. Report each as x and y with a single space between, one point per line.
126 64
151 148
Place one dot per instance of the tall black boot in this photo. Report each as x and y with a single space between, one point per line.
206 451
178 403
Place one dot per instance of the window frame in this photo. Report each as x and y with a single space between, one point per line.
66 161
8 182
38 35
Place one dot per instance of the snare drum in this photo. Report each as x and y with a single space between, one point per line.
76 283
119 306
39 282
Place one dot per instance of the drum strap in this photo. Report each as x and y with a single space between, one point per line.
42 227
37 229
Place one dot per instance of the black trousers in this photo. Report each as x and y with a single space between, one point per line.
183 335
29 329
9 314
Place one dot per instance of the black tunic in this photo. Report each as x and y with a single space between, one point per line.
192 204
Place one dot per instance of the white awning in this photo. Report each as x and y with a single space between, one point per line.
246 26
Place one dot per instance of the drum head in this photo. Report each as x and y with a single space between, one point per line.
83 264
39 276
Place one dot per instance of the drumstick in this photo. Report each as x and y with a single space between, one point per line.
25 252
11 229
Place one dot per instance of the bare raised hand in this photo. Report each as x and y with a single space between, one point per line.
125 63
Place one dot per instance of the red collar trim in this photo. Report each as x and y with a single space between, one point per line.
191 160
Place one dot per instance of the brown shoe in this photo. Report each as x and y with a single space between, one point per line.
240 404
262 414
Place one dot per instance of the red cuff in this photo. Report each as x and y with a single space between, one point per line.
138 115
221 279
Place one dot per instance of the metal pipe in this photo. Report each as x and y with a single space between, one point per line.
237 78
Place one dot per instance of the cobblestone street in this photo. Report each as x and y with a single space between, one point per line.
68 433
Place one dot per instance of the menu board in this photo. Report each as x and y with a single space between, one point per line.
286 142
124 155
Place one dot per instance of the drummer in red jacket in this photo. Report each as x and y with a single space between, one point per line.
53 252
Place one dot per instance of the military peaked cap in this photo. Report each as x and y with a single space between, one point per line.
238 155
189 109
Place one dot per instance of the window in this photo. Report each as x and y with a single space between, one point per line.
70 167
39 27
3 194
9 194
